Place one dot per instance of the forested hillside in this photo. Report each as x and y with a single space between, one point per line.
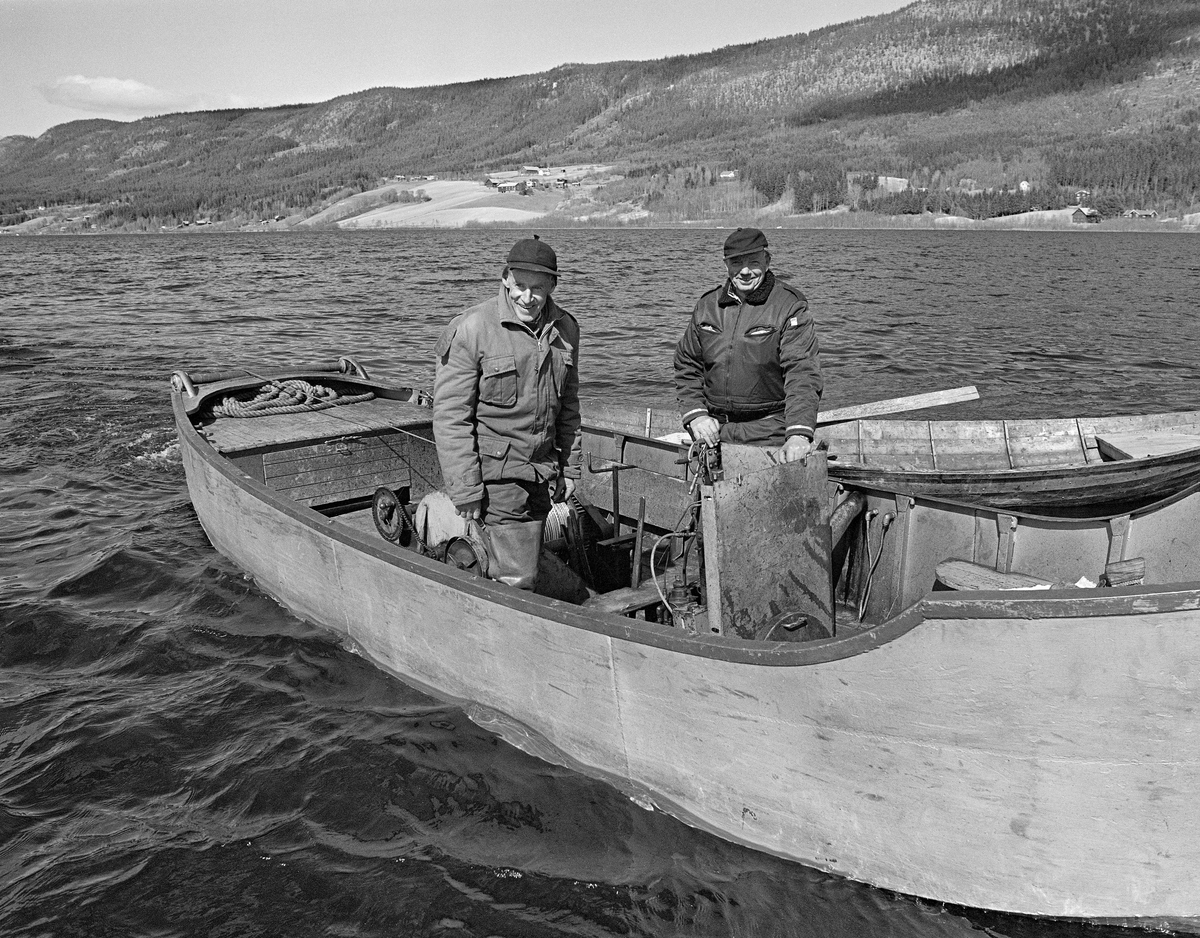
957 96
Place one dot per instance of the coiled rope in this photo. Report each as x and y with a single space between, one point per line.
287 397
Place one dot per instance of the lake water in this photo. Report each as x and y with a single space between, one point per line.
179 757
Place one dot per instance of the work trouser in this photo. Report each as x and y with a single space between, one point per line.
514 519
761 431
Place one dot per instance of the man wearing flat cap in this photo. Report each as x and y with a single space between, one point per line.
506 410
747 367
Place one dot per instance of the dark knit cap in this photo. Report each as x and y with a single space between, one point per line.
744 241
533 254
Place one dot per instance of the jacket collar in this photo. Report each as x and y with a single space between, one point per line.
729 296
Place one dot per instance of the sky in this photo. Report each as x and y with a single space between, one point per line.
65 60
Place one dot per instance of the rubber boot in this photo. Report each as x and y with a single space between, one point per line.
515 549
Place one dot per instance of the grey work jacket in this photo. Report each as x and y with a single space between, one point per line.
506 400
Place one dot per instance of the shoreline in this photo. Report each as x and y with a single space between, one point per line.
466 204
795 223
1169 228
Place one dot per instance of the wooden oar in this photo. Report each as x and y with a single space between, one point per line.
898 404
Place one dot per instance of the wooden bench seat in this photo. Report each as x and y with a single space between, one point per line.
627 599
965 575
231 435
1141 444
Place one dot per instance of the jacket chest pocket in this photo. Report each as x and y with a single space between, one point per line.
760 344
714 343
498 381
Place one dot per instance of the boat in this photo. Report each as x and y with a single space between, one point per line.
1057 466
984 707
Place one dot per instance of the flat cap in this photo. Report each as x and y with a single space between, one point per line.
533 254
745 241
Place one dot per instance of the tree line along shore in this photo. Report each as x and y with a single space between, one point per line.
606 197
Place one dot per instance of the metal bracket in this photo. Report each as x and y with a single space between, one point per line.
607 466
341 445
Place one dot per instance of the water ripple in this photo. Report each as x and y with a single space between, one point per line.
181 757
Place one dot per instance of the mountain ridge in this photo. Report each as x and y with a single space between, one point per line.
918 93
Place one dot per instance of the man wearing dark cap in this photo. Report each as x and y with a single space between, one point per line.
506 410
747 368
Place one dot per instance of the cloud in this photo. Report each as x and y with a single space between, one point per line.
113 95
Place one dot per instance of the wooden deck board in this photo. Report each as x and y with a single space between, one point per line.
232 434
1140 444
965 575
341 453
338 488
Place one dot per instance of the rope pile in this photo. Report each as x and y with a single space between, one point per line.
287 397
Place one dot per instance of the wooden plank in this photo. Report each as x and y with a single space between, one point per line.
898 405
318 473
334 453
656 455
1181 421
1109 451
957 444
341 468
232 434
905 445
624 600
1039 443
977 445
964 575
631 420
666 498
339 487
1143 444
656 473
1187 422
658 421
304 473
251 464
1125 572
350 474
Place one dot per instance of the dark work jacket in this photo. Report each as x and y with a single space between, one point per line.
746 359
506 400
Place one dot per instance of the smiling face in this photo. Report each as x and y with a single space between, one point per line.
746 273
528 291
